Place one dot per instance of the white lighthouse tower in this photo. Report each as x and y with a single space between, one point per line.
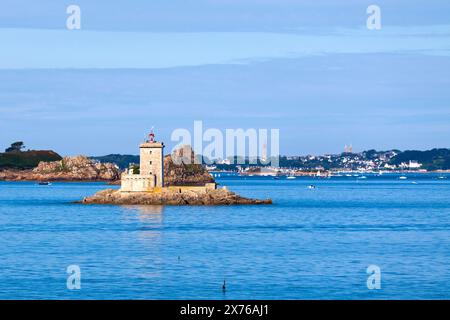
151 170
152 160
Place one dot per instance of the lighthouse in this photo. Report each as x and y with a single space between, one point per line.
152 160
151 172
151 169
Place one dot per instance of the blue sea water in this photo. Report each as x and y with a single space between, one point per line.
310 244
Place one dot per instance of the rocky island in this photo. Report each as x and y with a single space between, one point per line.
79 168
171 196
166 180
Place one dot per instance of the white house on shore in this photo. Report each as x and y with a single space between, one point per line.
414 164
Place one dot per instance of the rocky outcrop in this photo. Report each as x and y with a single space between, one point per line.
183 174
78 168
172 197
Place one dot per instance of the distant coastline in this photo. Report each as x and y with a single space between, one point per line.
30 165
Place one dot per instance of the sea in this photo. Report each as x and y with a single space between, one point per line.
345 237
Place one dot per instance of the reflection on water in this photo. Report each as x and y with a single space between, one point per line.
150 214
150 225
150 218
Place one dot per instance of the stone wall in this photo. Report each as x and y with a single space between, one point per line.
140 183
137 183
199 189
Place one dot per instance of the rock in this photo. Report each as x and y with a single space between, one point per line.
171 197
185 174
78 168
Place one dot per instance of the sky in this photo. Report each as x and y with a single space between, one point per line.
311 69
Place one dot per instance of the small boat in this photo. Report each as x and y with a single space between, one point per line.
276 178
403 178
44 183
442 177
311 186
290 177
414 182
362 177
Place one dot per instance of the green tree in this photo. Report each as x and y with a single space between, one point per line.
15 147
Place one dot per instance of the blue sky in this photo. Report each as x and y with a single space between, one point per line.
309 68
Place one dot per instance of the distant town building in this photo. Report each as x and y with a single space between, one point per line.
389 166
414 164
264 153
348 149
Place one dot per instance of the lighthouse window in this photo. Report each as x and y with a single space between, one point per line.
150 152
151 162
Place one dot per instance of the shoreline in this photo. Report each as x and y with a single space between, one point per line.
61 181
332 173
117 182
